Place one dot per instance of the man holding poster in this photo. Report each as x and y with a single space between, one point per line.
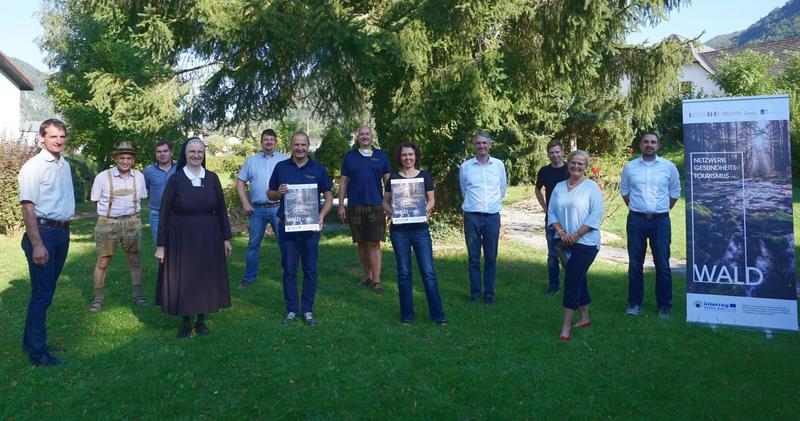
650 186
297 183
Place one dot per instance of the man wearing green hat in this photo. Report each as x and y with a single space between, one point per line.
117 192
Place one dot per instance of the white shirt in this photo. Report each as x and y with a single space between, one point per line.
483 186
582 206
650 185
47 183
197 180
123 203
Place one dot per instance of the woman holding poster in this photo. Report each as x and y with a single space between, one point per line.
574 212
408 198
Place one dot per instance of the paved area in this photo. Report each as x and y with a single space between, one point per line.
524 222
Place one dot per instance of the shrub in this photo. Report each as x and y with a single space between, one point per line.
331 151
606 170
83 173
12 155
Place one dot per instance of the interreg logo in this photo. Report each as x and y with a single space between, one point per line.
710 305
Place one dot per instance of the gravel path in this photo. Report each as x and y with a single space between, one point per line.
524 222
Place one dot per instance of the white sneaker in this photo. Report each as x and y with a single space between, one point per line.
289 318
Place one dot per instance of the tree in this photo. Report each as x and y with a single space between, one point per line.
331 151
745 74
429 71
751 73
115 77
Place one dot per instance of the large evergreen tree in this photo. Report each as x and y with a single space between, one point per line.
430 71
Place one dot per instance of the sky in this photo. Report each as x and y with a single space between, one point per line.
19 24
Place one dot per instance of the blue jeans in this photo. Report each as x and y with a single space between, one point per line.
43 286
297 247
403 240
576 287
154 224
482 230
255 231
658 231
553 270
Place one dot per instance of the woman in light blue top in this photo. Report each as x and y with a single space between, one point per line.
574 212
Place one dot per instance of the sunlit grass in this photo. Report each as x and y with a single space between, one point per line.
500 362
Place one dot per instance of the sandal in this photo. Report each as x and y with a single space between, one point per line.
377 287
95 306
140 301
365 282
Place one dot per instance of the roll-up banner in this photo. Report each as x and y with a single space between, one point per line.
739 223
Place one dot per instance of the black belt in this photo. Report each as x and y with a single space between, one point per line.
266 205
121 217
481 213
650 215
52 223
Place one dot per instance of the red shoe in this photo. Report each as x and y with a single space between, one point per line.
582 325
564 338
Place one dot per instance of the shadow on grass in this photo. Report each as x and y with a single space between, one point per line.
500 362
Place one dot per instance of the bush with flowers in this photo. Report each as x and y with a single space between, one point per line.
606 170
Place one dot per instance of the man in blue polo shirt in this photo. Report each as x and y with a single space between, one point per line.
257 171
364 170
299 245
650 186
155 179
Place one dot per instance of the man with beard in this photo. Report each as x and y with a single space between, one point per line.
650 186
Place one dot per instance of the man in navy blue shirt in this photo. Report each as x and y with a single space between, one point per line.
155 179
364 170
299 245
547 178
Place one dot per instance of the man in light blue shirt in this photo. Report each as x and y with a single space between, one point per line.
155 178
257 171
47 202
650 186
483 186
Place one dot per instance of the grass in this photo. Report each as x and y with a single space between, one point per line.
360 362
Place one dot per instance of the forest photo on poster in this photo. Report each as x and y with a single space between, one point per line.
740 233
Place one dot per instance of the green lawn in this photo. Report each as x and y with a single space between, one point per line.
359 362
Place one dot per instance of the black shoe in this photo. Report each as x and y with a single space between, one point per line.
309 319
185 331
489 301
47 360
474 299
551 292
200 328
245 284
442 322
663 313
405 322
289 318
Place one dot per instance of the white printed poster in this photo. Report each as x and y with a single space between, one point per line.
739 231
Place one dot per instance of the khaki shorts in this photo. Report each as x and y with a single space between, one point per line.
109 232
367 223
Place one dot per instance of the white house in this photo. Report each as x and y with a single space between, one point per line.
704 62
12 82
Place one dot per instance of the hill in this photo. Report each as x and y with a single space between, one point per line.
34 105
782 22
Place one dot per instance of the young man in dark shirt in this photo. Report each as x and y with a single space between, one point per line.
547 177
